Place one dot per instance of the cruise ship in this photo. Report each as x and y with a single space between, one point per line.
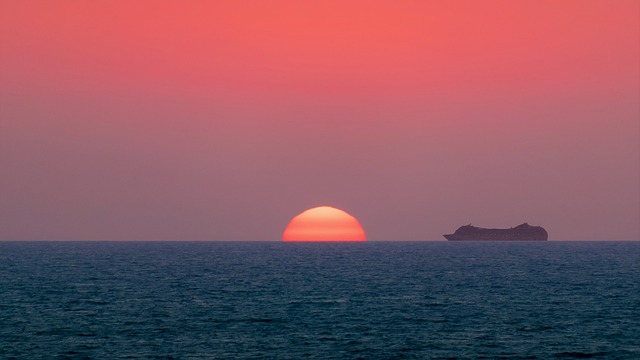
522 232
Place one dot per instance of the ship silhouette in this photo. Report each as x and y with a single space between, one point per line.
522 232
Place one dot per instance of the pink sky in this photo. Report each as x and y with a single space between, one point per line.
152 120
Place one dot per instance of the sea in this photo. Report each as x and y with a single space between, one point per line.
274 300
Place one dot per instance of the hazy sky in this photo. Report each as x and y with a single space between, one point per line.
221 120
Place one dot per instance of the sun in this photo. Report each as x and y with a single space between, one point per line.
324 223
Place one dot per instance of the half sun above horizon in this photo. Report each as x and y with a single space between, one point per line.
324 223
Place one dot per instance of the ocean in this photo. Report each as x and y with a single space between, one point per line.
272 300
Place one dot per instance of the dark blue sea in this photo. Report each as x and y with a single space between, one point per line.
268 300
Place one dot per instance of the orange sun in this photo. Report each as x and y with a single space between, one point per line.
324 223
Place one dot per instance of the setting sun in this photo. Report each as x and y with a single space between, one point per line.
324 223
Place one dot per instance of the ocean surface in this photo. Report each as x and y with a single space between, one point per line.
268 300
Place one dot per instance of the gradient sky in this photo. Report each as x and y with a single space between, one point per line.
222 120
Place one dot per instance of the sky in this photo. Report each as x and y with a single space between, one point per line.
222 120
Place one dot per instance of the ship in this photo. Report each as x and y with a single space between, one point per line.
522 232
